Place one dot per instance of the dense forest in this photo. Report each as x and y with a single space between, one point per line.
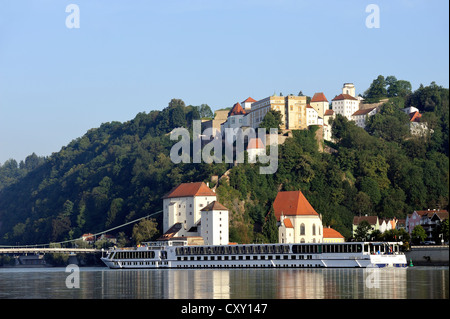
119 172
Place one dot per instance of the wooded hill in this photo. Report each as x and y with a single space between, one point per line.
119 172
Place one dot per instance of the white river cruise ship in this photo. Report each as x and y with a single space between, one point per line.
177 254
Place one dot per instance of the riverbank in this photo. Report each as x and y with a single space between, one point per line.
428 255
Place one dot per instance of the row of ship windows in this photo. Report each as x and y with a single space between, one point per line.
134 255
270 249
253 266
140 263
262 257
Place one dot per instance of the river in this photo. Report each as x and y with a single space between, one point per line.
104 283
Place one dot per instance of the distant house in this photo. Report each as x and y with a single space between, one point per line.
89 238
372 220
428 219
360 117
388 224
416 126
331 235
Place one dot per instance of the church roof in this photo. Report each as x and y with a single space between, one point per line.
292 203
237 110
190 189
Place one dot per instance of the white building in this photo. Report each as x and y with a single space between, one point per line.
360 117
183 205
327 134
214 224
312 117
346 103
237 117
255 147
247 104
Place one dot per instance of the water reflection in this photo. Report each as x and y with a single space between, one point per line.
96 283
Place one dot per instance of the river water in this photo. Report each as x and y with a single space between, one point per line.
104 283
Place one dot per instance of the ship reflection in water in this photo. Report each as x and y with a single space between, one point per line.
323 283
355 283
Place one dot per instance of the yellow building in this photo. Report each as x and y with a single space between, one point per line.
292 109
332 236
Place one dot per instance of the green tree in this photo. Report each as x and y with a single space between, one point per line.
362 231
270 229
418 234
145 230
272 119
377 89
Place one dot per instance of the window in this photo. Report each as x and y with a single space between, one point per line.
314 229
302 229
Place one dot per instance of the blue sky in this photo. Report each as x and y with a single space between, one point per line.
132 56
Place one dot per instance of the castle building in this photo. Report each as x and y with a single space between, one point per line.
192 212
292 109
298 221
183 205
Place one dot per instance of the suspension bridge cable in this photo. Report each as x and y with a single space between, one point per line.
94 235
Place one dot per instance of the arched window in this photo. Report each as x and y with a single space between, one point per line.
302 229
314 229
302 241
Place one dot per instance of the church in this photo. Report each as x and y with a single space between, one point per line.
298 221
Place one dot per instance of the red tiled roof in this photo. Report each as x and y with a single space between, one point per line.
292 203
363 111
288 223
255 143
329 112
249 100
344 97
215 205
237 110
371 219
190 189
331 233
415 116
319 97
